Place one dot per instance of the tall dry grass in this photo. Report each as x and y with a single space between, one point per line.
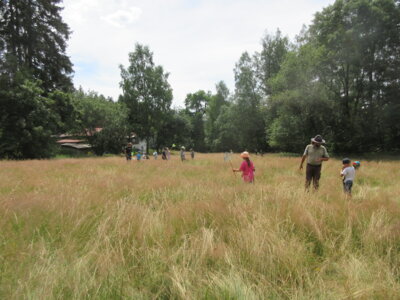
107 229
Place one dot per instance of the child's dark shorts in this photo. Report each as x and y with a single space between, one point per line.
347 186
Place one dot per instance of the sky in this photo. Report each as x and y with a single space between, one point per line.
196 42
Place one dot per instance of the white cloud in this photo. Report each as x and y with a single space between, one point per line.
197 42
122 18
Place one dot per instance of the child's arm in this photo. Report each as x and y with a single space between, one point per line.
240 169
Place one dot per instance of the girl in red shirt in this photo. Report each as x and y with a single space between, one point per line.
247 168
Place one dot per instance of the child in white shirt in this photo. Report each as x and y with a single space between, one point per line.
348 173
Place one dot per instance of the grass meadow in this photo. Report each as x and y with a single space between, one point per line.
101 228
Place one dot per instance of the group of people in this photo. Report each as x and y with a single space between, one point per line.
316 154
165 154
182 153
129 153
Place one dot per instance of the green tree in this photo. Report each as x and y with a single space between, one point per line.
249 105
269 60
196 106
95 111
33 39
146 93
226 128
26 121
341 80
299 106
177 129
35 77
216 102
360 65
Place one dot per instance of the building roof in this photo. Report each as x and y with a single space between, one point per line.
76 146
86 132
70 141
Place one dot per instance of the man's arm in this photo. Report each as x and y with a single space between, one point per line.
325 156
303 158
323 159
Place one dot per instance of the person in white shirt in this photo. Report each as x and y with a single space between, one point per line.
168 154
348 173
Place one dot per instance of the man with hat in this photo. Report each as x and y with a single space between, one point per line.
315 154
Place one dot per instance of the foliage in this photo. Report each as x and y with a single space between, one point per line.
26 121
299 106
346 67
360 65
146 93
33 39
34 78
248 109
227 138
269 60
196 107
95 111
177 129
215 105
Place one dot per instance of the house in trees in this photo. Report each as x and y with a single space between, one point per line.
77 142
137 143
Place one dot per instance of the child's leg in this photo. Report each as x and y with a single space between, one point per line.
347 187
350 185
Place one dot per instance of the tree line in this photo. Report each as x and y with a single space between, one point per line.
339 78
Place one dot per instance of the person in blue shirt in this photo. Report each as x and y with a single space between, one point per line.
138 156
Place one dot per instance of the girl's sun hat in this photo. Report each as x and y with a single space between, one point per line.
245 154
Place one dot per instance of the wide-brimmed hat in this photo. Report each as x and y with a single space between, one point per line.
245 154
318 139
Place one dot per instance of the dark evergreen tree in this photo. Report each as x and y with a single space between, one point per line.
33 40
35 75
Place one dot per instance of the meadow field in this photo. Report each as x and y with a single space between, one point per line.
101 228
